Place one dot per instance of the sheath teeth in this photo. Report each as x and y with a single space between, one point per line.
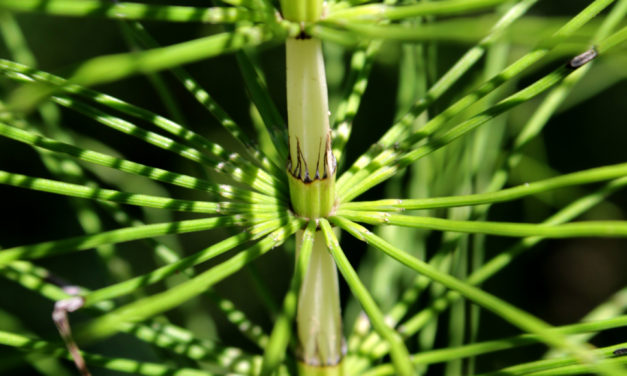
300 169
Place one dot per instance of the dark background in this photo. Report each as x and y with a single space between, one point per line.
558 281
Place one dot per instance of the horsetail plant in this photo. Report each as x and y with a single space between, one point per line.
415 298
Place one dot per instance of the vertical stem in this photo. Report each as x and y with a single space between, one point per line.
311 171
302 10
318 319
311 164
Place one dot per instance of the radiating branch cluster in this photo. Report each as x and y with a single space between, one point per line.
266 204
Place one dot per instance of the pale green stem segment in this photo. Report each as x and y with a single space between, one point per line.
311 164
282 331
318 317
305 370
311 171
302 10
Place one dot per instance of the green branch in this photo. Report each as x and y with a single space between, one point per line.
389 12
96 193
503 309
159 274
115 67
402 128
593 175
260 96
144 308
131 11
504 258
564 366
569 230
399 353
24 73
167 336
127 166
376 169
84 242
360 66
486 347
138 32
235 167
115 364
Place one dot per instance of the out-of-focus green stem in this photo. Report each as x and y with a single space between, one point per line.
302 10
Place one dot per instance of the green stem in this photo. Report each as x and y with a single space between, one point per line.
302 10
311 164
400 355
318 319
311 170
274 353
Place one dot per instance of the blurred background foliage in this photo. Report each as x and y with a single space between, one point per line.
559 280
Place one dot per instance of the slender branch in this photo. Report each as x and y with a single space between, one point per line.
234 168
400 355
131 11
202 96
24 73
127 166
499 262
503 309
593 175
84 242
486 347
376 158
577 229
383 11
115 364
401 128
96 193
144 308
